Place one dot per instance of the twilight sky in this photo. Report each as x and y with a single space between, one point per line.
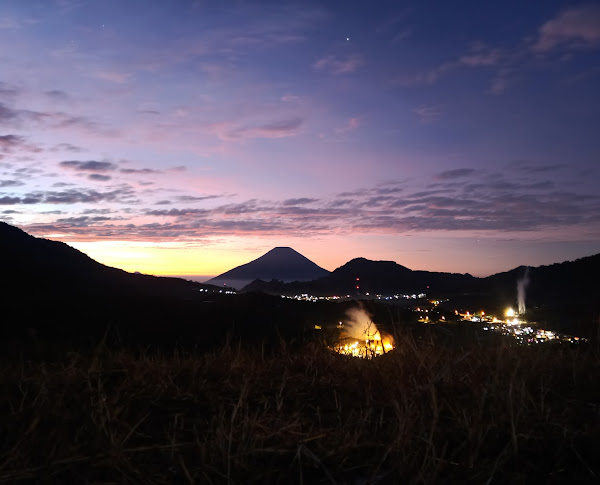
187 137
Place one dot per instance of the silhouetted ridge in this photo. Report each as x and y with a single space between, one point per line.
369 267
21 250
374 277
31 265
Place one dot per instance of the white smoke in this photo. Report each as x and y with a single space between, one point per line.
360 337
521 287
359 325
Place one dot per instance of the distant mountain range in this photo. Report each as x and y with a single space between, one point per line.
567 294
55 297
361 276
281 263
51 280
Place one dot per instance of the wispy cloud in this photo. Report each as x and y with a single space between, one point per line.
338 65
499 84
57 94
15 143
401 35
461 199
15 117
8 90
351 125
10 142
574 27
72 196
299 201
89 166
98 177
251 28
292 98
428 113
455 173
479 55
578 27
97 171
425 77
139 171
10 183
232 131
9 23
114 76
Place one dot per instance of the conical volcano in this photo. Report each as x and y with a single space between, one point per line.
281 263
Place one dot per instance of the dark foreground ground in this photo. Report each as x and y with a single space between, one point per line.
427 412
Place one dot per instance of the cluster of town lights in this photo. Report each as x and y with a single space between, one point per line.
519 329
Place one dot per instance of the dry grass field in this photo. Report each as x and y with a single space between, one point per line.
424 413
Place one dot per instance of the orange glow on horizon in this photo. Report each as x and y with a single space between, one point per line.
162 260
212 258
215 255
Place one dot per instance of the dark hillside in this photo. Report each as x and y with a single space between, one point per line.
375 277
564 295
58 298
567 295
53 290
35 265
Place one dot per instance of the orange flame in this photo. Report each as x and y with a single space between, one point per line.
360 336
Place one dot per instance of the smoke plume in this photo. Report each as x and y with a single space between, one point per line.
521 287
359 325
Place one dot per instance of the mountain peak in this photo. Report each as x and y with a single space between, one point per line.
370 264
280 263
282 249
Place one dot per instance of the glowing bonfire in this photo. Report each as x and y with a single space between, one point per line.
360 337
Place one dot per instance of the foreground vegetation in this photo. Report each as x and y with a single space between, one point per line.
425 413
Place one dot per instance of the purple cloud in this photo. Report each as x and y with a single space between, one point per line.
299 201
456 173
139 171
337 65
98 177
88 166
579 27
231 131
9 142
428 113
11 183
